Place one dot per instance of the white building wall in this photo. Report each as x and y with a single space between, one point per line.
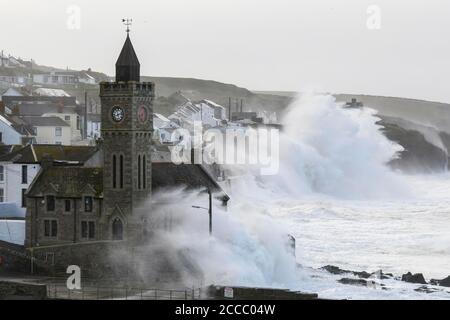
9 135
71 120
12 181
47 135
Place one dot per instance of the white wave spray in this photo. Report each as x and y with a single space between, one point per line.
325 150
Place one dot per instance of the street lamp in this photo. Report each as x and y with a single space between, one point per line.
209 210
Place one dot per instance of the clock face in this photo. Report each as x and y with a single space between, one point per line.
117 114
142 114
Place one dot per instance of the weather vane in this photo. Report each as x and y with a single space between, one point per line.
128 23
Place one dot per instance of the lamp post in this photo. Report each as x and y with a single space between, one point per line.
209 210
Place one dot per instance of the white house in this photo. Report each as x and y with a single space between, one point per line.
14 182
73 120
8 135
190 112
94 126
163 128
19 168
50 130
49 92
13 132
63 77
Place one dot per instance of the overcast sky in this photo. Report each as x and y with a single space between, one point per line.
258 44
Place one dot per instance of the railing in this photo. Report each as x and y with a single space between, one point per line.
60 292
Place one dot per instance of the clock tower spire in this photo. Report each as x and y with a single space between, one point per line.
127 125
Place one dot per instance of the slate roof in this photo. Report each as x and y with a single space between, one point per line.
127 65
19 125
192 176
73 182
10 210
68 182
38 109
34 153
46 121
6 149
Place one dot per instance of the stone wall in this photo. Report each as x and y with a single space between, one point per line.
22 291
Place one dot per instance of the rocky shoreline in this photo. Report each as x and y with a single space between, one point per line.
364 278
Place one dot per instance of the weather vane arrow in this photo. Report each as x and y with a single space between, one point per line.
128 23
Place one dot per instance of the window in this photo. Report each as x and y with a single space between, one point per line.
58 132
88 230
114 167
50 258
67 118
24 174
67 205
139 172
24 199
2 173
50 228
121 172
1 136
50 200
117 229
2 195
54 79
144 172
88 204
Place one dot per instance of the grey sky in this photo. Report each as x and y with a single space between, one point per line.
258 44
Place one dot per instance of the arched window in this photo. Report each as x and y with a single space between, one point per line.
117 229
114 167
144 172
121 172
139 172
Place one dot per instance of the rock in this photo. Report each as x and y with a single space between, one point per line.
362 274
355 282
414 278
425 289
334 270
362 282
443 283
337 270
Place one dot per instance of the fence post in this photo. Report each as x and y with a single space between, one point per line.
170 294
126 293
156 294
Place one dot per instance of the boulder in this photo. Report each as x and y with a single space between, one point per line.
414 278
355 282
443 283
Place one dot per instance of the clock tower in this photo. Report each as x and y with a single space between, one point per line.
127 125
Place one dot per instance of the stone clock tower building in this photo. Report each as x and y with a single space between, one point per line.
127 124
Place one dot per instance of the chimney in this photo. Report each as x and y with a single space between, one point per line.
46 161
